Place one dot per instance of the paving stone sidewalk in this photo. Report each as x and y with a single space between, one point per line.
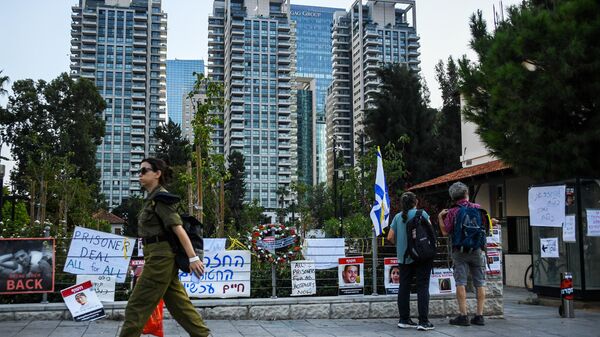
519 320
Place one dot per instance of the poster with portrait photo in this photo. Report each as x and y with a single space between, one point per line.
83 303
391 275
442 282
26 265
350 275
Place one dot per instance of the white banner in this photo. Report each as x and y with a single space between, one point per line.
303 278
325 252
569 229
442 282
549 247
104 285
547 206
99 253
593 222
226 274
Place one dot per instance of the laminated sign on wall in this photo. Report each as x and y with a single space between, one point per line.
549 247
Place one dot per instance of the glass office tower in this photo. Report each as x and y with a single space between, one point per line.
121 45
313 54
180 81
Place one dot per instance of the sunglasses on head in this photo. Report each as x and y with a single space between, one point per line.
145 170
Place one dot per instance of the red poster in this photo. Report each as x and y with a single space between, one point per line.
26 265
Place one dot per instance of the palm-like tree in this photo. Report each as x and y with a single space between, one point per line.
282 192
3 80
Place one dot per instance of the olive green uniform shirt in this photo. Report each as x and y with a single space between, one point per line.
148 222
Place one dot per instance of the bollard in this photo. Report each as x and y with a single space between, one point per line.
566 309
46 235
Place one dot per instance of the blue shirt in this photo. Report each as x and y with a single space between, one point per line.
399 227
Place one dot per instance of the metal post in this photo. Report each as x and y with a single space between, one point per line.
273 271
566 309
2 169
374 243
335 191
46 235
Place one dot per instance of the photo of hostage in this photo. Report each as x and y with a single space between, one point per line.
160 276
394 275
468 244
445 284
18 269
351 274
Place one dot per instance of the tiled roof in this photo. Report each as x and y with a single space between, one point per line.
463 173
107 216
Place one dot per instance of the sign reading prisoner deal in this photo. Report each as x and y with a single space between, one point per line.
104 286
441 281
303 278
226 274
350 278
99 253
391 275
26 265
82 302
547 206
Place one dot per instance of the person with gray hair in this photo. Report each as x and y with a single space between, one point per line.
465 260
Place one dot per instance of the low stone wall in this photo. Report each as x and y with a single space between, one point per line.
330 307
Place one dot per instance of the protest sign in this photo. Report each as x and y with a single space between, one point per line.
303 278
549 247
391 275
494 262
99 253
547 206
441 282
26 265
104 286
82 302
569 229
593 222
226 274
350 278
325 252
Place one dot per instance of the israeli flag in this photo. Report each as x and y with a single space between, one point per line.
380 213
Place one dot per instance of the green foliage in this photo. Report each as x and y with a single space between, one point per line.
235 188
128 210
3 80
172 147
314 205
534 93
401 112
253 214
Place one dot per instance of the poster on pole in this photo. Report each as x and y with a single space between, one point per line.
226 275
494 262
442 282
26 265
350 275
547 206
104 286
549 247
99 253
83 303
303 278
569 229
593 222
391 275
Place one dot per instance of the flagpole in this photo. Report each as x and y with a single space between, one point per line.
374 245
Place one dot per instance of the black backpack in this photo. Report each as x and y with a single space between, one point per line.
420 239
192 227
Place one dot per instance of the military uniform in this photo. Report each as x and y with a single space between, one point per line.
160 277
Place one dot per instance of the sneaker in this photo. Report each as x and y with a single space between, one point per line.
477 320
425 326
407 324
460 320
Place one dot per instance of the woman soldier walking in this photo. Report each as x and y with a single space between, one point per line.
160 276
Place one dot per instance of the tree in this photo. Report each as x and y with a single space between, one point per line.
235 187
174 149
128 210
534 93
447 123
400 111
3 80
46 121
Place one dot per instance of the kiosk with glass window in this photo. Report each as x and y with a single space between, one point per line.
565 236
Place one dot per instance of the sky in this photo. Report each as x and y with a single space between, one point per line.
35 38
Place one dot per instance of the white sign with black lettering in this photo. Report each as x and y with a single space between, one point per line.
303 278
593 222
549 247
104 285
569 229
547 206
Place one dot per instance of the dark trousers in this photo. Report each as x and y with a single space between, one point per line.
422 271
